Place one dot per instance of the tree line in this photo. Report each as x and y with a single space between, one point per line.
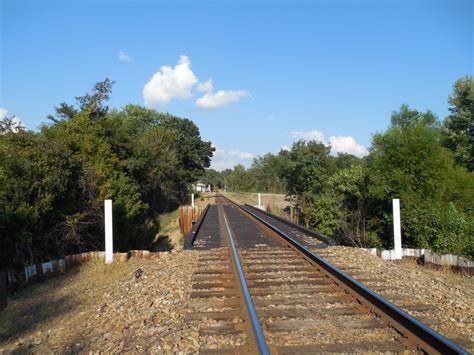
426 163
53 182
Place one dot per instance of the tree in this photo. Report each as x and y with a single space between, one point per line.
11 125
53 183
37 191
213 178
239 179
349 188
409 162
307 168
195 153
266 172
94 102
458 127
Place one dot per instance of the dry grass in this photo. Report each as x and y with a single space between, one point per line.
274 200
205 198
169 236
62 298
445 272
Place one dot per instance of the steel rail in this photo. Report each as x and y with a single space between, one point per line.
423 336
257 329
317 235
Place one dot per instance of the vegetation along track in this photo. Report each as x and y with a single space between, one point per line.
265 291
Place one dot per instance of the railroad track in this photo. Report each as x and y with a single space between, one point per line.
260 286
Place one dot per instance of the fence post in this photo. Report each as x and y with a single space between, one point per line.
397 233
192 200
109 245
259 202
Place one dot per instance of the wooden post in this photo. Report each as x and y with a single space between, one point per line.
397 233
192 200
259 202
109 245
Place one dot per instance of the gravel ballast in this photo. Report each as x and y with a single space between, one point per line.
99 307
448 297
106 308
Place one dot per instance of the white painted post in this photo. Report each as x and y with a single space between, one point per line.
397 233
259 202
109 244
192 200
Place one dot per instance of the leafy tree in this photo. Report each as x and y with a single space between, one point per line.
213 178
458 127
408 162
36 187
349 186
345 160
195 155
323 213
266 172
10 125
239 179
308 167
53 183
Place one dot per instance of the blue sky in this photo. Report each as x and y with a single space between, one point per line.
331 70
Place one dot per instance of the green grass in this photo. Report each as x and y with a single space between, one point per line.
166 221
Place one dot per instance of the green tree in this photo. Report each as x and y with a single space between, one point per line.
349 188
308 165
36 191
307 168
212 177
10 125
458 127
266 173
409 162
53 183
239 179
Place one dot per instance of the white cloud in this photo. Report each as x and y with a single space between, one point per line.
285 147
223 159
218 152
220 99
124 57
206 87
339 144
308 135
3 113
241 155
178 83
347 144
170 83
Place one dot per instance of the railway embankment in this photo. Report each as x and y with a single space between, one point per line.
102 308
189 300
